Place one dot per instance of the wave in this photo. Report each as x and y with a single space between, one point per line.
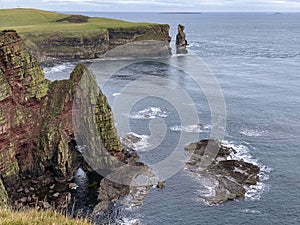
59 71
254 192
136 141
149 113
196 128
116 94
254 132
59 68
252 211
129 221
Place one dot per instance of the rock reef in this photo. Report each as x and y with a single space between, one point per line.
226 178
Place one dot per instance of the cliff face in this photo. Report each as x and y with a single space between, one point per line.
37 117
93 44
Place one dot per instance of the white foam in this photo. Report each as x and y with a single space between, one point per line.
129 221
116 94
254 192
254 132
196 128
149 113
142 144
242 153
59 68
252 211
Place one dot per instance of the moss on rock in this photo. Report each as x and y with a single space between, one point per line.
3 194
40 121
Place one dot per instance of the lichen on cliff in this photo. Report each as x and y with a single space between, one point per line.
38 129
3 194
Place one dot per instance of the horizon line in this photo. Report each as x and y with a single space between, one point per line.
162 12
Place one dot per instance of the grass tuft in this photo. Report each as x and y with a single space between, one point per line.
36 217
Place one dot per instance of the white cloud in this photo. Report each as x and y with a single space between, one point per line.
158 5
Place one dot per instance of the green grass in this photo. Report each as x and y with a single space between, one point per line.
35 217
26 21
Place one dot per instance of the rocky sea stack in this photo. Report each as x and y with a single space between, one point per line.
181 42
43 124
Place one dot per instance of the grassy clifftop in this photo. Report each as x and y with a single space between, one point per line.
33 20
51 35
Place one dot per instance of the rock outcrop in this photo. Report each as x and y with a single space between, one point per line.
181 42
42 123
93 45
225 178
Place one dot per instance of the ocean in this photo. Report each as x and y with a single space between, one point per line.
254 59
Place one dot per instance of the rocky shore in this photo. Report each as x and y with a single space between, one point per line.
225 177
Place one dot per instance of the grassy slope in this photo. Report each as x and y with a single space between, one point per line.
26 21
34 217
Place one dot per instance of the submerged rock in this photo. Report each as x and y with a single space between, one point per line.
131 181
181 42
161 184
225 178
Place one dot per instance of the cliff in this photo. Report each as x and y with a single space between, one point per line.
50 35
42 122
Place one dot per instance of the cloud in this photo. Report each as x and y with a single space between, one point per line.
158 5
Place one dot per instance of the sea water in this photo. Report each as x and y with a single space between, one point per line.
255 58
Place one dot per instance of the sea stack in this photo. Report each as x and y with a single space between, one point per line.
181 42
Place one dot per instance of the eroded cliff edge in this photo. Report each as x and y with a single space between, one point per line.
51 35
95 44
42 121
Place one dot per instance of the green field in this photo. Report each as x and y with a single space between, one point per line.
26 21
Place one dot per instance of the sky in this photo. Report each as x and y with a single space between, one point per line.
158 5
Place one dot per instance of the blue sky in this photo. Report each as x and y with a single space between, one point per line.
157 5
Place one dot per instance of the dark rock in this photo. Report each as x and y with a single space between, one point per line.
124 182
230 177
161 185
181 42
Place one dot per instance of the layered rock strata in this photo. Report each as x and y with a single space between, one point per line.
50 129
